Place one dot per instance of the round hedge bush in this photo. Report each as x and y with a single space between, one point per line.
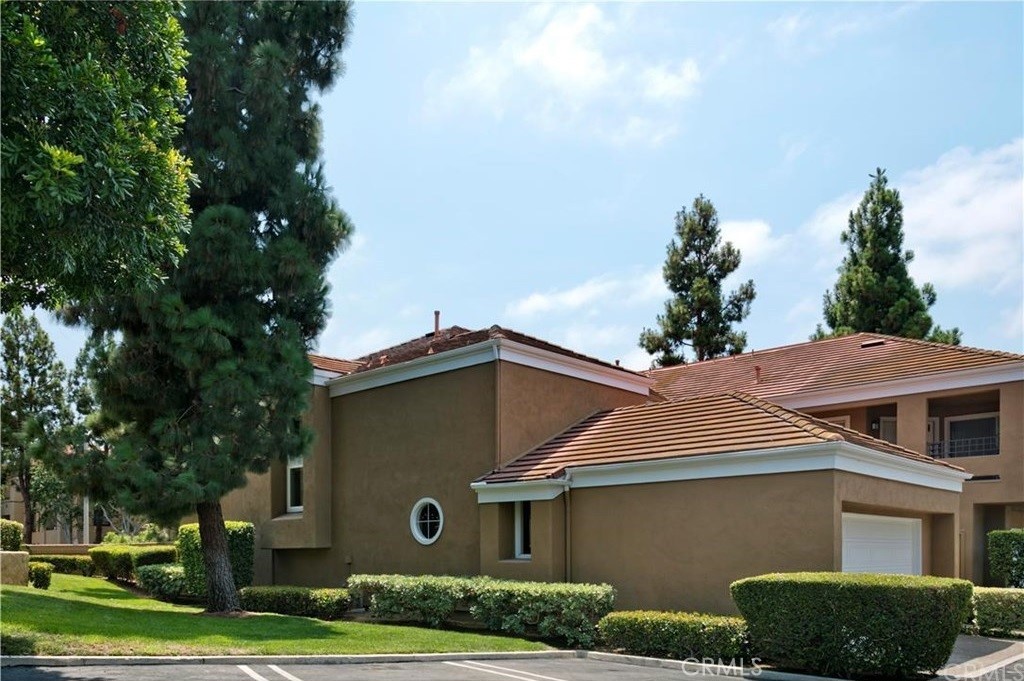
846 624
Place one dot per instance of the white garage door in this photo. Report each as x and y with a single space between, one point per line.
876 543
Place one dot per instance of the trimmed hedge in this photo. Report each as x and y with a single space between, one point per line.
324 604
166 581
1006 556
241 547
845 624
68 564
39 574
11 533
565 611
999 612
556 610
679 635
120 561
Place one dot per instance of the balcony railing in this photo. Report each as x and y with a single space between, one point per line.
968 446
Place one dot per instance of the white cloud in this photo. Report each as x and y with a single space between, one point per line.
805 309
963 216
630 290
1012 325
754 238
666 84
555 67
804 33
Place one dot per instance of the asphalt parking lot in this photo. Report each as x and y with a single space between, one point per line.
452 670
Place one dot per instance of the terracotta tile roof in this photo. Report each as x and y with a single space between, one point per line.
716 424
458 337
836 363
340 366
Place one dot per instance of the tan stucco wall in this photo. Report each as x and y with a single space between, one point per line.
391 446
678 545
536 405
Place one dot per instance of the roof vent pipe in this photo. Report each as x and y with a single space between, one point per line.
757 374
437 322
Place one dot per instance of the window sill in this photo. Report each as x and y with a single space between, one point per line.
516 560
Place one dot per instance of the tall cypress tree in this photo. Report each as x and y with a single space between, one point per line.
211 375
875 292
699 314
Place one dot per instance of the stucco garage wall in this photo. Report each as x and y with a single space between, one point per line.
391 446
678 545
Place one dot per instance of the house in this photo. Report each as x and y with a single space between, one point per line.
492 452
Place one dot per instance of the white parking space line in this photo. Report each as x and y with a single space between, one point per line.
290 677
517 671
468 664
252 674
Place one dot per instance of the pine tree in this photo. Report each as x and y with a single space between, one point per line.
33 407
699 315
875 292
211 375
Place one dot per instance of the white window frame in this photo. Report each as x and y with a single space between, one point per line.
840 420
414 525
894 422
519 553
293 463
971 417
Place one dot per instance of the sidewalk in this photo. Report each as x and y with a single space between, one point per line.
975 656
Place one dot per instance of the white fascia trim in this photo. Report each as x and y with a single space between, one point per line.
488 351
459 358
533 490
322 376
841 456
527 355
950 380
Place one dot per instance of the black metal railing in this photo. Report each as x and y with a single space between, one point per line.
968 446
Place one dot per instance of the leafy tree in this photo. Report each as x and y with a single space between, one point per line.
699 315
94 190
33 409
210 376
55 501
875 292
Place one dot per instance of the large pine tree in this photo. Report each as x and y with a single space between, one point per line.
699 314
875 292
211 374
32 404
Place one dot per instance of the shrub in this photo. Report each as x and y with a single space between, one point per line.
165 581
11 533
324 604
69 564
428 598
241 540
566 611
39 574
844 624
149 534
678 635
119 561
999 612
1006 556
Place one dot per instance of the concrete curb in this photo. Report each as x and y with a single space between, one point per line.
98 660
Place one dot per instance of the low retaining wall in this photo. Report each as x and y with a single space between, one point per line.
60 549
14 567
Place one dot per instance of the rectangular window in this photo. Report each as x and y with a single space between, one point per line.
523 547
972 435
887 428
294 484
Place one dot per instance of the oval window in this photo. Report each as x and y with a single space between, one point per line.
426 521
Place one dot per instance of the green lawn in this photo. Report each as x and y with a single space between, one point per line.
89 616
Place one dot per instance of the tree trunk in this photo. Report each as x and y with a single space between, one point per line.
221 595
30 514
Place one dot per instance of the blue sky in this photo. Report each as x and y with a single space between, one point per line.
521 164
